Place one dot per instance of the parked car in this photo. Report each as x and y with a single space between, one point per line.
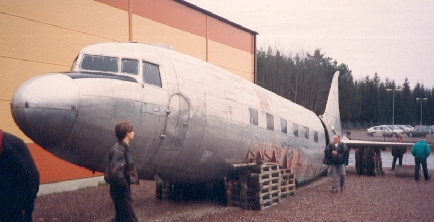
381 130
396 128
405 127
420 130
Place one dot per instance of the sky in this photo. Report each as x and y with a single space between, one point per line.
390 37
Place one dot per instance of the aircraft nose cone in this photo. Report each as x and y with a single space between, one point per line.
45 108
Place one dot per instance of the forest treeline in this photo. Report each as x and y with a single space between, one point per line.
305 79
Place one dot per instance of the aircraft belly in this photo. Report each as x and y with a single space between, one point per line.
182 136
85 148
92 135
230 143
306 163
222 145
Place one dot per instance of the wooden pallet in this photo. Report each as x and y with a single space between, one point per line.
259 186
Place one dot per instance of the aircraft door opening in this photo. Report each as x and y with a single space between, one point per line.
177 123
173 137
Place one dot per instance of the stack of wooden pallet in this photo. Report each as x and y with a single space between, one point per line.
253 186
287 185
368 161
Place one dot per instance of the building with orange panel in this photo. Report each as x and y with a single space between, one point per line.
45 36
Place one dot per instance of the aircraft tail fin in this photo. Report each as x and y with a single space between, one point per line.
331 117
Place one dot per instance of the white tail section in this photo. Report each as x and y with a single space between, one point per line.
331 117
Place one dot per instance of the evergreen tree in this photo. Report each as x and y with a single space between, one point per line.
305 80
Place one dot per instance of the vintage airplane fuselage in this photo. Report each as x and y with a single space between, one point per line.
191 119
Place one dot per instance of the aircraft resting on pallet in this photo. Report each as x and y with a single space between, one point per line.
192 120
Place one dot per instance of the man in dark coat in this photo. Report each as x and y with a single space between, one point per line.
19 179
336 154
398 153
121 172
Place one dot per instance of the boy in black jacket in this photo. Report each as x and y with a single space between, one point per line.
121 172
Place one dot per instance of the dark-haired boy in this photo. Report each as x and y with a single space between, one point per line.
121 172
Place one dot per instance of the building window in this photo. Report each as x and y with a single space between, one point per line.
315 136
253 116
130 66
306 132
295 129
151 74
283 126
270 122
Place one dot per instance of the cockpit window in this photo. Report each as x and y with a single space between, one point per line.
100 63
151 74
130 66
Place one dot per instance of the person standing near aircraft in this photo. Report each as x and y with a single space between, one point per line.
19 179
121 172
336 153
421 151
398 153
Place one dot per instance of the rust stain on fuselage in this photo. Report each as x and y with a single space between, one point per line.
287 157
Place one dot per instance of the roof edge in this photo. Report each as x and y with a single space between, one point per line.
216 16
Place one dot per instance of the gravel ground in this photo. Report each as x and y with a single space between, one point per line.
366 198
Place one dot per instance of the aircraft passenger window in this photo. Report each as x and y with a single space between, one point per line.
283 127
315 136
253 116
151 74
130 66
270 122
295 129
306 132
100 63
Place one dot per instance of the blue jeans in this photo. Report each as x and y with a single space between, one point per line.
340 168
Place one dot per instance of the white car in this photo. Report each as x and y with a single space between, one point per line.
405 127
381 131
396 128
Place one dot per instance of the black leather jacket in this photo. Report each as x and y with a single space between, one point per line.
120 170
340 158
19 177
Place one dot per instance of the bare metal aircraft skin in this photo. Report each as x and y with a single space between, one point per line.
192 119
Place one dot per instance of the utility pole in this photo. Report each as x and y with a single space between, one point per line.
421 99
393 99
